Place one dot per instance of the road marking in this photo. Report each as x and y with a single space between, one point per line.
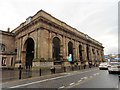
62 87
91 76
96 74
79 80
71 84
45 80
82 78
38 81
117 86
85 77
86 71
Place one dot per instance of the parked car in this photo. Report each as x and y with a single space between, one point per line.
103 65
114 67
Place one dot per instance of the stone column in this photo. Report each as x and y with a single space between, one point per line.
19 48
38 42
41 43
36 45
50 45
83 52
74 50
64 48
90 54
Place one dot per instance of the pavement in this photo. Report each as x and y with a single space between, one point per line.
34 79
90 79
13 75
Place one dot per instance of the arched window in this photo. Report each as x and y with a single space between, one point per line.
2 47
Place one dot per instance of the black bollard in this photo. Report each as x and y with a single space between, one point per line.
79 67
72 68
20 71
40 71
54 70
64 69
84 66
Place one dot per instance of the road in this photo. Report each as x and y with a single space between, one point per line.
87 78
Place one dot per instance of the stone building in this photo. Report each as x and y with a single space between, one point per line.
42 40
7 51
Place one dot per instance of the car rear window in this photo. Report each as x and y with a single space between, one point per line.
115 63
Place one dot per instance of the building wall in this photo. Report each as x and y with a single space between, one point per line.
42 29
7 57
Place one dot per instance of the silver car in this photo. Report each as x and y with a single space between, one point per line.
114 67
103 65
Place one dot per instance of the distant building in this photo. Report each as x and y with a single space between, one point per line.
43 40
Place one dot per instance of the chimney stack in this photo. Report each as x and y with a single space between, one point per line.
8 29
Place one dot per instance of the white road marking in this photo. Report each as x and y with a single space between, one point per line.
86 71
46 80
82 78
71 84
85 77
38 81
62 87
91 76
96 74
117 86
79 80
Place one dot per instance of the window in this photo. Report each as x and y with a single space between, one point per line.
3 61
2 47
12 61
93 51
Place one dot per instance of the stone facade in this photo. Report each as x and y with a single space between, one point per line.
42 40
7 49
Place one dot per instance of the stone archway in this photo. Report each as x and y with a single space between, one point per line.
56 50
70 49
29 52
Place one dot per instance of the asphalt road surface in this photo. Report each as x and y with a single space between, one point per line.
88 78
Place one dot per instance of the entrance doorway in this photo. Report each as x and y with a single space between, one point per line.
80 53
29 52
70 50
56 50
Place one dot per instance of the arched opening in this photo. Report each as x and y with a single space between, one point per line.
88 57
12 61
70 50
80 54
29 44
56 50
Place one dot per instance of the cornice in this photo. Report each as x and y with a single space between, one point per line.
43 17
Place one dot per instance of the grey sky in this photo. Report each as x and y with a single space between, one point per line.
97 18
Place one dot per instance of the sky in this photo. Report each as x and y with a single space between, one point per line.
96 18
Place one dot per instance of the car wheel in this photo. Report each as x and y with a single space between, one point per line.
109 72
119 77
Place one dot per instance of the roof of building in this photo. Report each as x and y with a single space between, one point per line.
51 18
6 33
